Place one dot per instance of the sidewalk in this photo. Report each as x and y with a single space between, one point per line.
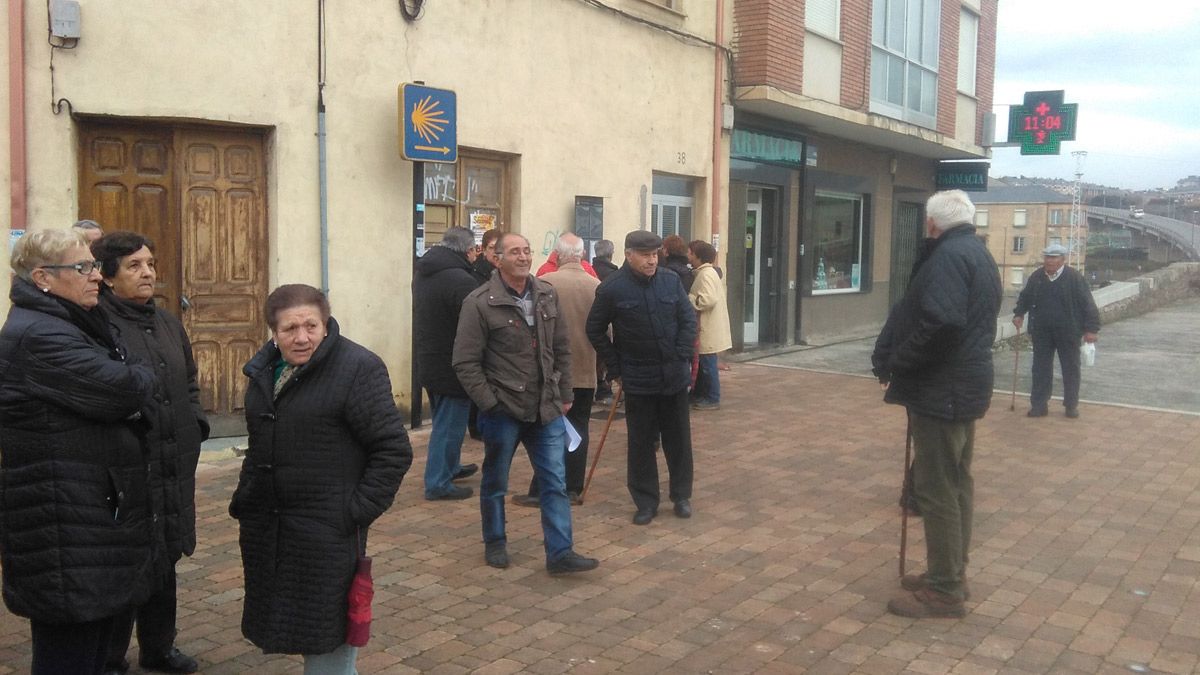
1086 554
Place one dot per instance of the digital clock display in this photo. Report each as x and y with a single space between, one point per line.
1042 123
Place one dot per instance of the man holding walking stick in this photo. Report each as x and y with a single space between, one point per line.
939 366
653 330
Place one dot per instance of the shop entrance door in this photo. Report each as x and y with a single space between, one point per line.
753 277
906 246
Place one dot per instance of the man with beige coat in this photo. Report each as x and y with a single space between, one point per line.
708 297
576 291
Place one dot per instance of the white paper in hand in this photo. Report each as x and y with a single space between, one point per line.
573 437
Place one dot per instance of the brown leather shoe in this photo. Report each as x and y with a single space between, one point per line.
927 604
915 582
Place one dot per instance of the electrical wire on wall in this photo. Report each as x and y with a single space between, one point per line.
412 9
57 43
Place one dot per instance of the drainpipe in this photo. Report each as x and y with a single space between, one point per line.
18 167
323 181
718 104
322 163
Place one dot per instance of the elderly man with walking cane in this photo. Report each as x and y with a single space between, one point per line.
1061 312
939 367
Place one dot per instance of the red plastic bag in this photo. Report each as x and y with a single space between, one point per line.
358 606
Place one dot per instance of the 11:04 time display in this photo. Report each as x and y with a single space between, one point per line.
1043 123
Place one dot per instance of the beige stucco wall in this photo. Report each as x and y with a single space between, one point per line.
589 103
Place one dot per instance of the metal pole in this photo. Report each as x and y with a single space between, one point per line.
418 197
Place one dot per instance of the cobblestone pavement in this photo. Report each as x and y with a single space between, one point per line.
1086 555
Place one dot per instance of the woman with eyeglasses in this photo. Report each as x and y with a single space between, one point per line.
177 427
75 541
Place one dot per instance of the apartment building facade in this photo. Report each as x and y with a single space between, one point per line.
258 143
1019 222
844 110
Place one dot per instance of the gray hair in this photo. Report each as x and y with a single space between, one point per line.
604 249
458 239
569 248
87 224
948 208
41 248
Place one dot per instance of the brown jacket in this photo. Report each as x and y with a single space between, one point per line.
501 361
576 291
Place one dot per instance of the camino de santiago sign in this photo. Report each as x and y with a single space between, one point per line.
428 124
1042 123
966 176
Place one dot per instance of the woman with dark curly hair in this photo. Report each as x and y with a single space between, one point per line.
177 427
328 450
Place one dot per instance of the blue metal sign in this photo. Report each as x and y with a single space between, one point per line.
428 124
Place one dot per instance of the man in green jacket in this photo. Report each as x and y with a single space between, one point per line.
512 355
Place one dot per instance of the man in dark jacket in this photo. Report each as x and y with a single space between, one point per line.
513 357
602 261
1061 311
650 352
938 364
442 281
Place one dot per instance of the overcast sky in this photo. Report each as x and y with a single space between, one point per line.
1134 70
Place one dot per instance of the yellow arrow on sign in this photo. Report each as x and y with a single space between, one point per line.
444 150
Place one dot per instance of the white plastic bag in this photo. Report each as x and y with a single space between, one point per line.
1087 353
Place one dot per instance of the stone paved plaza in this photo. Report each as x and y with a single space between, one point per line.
1086 554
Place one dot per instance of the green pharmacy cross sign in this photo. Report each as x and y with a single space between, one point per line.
1042 123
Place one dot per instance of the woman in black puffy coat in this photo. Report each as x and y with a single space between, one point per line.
177 427
75 542
328 450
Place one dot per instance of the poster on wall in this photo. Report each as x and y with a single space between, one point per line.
481 222
13 236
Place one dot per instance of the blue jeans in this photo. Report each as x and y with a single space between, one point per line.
708 382
544 444
445 442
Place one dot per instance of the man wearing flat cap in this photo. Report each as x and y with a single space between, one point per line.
1061 312
650 352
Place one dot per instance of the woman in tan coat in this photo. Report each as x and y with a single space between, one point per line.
708 297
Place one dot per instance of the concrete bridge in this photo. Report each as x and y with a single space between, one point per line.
1169 232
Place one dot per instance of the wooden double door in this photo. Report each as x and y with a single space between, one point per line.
200 194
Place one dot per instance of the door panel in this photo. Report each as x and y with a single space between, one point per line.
200 195
906 245
223 224
126 181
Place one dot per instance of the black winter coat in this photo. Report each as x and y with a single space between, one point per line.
679 265
604 268
482 270
939 336
325 460
177 421
654 331
443 280
1082 314
75 543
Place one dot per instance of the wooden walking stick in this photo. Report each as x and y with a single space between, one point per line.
1012 405
904 507
604 435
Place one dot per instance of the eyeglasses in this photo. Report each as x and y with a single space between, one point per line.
84 267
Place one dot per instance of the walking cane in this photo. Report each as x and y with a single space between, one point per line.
904 507
596 460
1012 405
